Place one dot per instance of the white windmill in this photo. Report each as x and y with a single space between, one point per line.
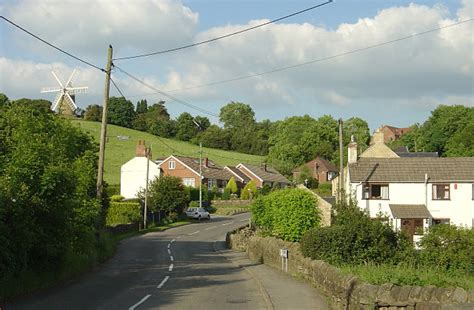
64 102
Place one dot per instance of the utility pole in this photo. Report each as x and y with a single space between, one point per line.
103 129
145 211
341 164
200 175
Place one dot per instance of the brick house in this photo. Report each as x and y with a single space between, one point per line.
187 168
321 169
391 133
263 175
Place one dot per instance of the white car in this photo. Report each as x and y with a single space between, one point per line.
198 213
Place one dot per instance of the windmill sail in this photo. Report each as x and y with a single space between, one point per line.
64 102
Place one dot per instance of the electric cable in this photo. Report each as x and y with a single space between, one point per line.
226 35
51 45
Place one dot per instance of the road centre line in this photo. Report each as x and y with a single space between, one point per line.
163 282
169 251
173 240
140 302
171 258
196 232
225 224
171 267
169 245
209 228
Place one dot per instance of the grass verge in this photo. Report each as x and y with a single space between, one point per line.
409 275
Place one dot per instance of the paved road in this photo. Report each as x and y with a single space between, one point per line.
186 267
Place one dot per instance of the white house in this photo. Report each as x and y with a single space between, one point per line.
133 174
413 192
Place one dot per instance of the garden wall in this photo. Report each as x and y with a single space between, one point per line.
231 203
347 291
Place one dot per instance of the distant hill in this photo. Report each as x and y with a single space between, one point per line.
122 141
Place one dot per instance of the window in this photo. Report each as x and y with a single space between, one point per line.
172 164
188 182
211 183
440 221
440 191
375 191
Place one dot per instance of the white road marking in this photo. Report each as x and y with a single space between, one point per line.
196 232
173 240
225 224
169 251
169 245
209 228
246 220
163 282
171 258
140 302
171 267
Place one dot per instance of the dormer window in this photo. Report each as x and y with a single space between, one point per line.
172 164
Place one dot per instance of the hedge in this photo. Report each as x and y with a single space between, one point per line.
286 214
123 213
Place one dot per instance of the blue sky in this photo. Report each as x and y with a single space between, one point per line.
397 84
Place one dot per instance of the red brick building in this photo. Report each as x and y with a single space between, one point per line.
321 169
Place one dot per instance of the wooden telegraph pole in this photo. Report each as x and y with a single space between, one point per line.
341 164
103 129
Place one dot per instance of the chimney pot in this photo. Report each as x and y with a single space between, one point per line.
352 151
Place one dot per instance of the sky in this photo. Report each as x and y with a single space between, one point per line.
397 84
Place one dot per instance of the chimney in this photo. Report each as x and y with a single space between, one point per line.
205 163
352 151
264 166
378 136
140 150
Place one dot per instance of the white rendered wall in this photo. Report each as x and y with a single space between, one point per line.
459 208
133 176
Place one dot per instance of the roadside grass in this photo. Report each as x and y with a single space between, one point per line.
405 274
120 151
151 228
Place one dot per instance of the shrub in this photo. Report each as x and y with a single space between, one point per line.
353 239
448 247
123 213
193 204
232 186
116 198
226 194
250 187
287 214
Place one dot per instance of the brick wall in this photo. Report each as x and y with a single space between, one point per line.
180 171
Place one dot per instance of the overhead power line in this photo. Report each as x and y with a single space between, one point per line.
116 87
243 77
51 45
168 95
226 35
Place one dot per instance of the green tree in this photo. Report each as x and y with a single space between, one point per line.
359 128
167 194
213 137
203 122
461 144
185 127
4 99
93 113
38 104
443 123
121 112
236 115
142 106
158 121
249 191
232 186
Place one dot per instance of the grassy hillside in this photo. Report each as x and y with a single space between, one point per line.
117 151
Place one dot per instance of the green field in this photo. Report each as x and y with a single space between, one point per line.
118 152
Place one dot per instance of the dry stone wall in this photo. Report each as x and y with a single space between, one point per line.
347 291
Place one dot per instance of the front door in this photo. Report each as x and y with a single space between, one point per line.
410 226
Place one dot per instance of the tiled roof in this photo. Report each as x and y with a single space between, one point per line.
413 169
212 171
236 171
409 211
417 154
267 175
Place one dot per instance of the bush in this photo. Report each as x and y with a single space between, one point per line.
448 248
354 239
193 204
116 198
123 213
232 186
286 214
226 194
250 187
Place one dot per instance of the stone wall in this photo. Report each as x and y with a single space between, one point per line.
231 203
347 291
323 206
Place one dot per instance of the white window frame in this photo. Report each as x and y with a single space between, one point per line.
189 182
171 165
211 183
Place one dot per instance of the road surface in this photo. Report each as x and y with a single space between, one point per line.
185 267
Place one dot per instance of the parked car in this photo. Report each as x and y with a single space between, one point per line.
198 213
